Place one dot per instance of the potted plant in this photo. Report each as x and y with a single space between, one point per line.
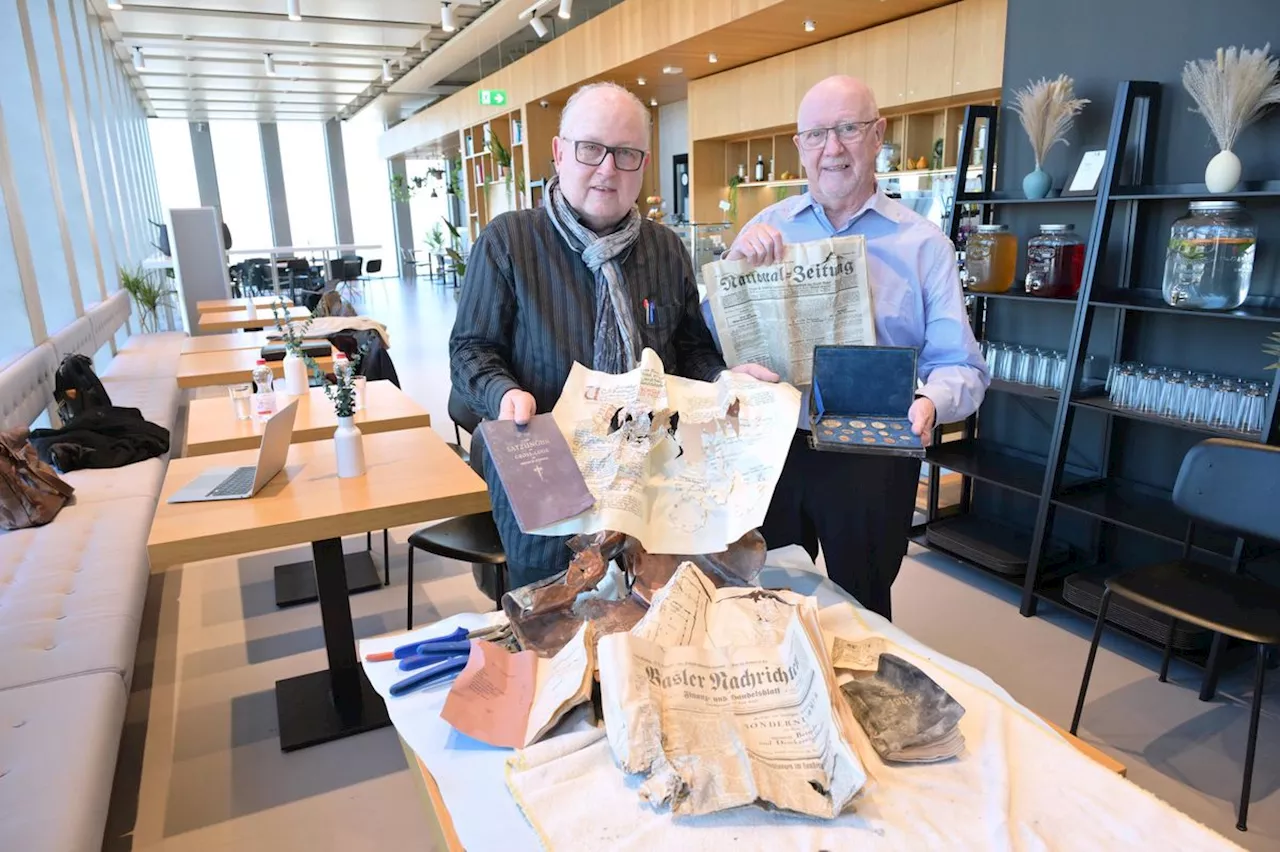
148 294
733 196
402 188
1231 93
348 442
1047 109
297 364
454 251
502 157
434 240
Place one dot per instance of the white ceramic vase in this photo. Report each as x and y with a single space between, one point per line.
348 445
1223 172
295 375
252 308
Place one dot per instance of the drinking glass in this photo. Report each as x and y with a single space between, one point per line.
1253 403
1224 412
1200 396
241 400
1173 397
359 382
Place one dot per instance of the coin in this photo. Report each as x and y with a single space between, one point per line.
877 425
890 441
857 424
897 427
827 433
868 440
844 438
884 434
833 424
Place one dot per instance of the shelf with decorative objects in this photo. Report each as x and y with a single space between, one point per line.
1093 472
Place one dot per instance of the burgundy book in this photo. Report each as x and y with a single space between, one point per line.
537 470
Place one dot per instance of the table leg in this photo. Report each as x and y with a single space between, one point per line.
339 702
296 582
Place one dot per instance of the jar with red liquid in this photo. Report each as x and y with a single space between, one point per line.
1055 262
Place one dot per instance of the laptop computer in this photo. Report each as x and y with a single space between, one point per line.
241 483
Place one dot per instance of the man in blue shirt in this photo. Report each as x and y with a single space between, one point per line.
859 507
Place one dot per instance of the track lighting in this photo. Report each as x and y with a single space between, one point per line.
386 71
640 81
293 8
653 101
810 26
139 62
269 62
566 9
712 58
446 17
539 26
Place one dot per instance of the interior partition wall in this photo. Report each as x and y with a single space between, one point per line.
77 186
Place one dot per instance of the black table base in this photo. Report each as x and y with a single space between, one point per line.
296 582
328 705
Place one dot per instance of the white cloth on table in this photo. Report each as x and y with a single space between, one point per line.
322 327
1017 786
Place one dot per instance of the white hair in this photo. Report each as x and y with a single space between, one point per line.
608 87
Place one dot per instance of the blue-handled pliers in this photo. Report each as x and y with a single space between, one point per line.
442 670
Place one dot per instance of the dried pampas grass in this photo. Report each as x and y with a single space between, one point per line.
1232 90
1047 109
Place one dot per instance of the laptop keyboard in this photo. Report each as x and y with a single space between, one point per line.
237 483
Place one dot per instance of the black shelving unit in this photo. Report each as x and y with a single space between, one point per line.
1067 469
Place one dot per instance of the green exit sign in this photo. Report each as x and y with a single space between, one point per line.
493 97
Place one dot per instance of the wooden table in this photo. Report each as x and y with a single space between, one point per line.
412 477
230 340
210 306
228 367
238 320
212 426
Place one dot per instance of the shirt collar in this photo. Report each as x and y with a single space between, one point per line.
878 202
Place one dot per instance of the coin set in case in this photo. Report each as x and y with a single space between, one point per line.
860 398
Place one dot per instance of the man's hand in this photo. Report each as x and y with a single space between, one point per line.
756 371
759 245
517 405
922 415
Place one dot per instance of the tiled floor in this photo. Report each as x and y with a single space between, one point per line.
200 768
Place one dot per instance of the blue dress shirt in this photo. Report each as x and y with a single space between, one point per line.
916 294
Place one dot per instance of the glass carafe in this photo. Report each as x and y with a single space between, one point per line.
1210 258
990 258
1055 262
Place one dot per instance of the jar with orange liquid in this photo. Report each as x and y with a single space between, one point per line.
1209 263
990 259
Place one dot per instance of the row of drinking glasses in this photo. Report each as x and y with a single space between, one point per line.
1028 365
1204 398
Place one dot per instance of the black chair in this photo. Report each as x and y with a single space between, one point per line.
469 538
1233 485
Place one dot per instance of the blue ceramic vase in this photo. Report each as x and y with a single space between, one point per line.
1036 184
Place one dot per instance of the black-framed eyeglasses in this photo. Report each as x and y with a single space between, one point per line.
593 154
846 131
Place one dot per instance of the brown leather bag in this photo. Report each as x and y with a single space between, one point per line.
31 494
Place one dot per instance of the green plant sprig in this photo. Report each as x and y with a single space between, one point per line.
148 294
343 392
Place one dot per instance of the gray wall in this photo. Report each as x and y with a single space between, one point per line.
673 139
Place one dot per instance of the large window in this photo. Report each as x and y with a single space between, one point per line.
429 205
369 184
237 156
175 166
31 177
306 183
16 336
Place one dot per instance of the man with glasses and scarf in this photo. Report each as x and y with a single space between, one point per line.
860 507
583 278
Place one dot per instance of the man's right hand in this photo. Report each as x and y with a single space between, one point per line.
517 405
759 245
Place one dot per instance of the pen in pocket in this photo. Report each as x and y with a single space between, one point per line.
648 311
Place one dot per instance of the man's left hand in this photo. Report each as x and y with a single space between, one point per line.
756 371
923 415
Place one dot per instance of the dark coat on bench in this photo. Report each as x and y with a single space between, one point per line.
101 438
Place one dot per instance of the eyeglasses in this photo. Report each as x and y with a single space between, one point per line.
593 154
846 131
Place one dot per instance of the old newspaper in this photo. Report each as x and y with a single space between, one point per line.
684 466
774 315
721 698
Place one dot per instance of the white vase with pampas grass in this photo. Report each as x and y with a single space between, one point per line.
1231 91
1047 109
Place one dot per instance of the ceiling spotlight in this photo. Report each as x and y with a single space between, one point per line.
269 62
539 26
115 6
712 58
566 9
294 9
810 26
653 101
671 69
386 71
139 62
640 81
446 18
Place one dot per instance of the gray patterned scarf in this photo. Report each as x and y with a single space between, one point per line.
616 336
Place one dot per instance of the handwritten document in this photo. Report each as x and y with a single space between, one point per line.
513 700
819 293
681 465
